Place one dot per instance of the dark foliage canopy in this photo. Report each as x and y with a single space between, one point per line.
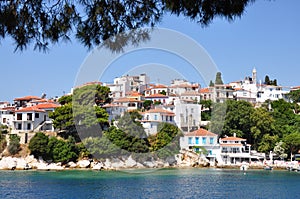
42 22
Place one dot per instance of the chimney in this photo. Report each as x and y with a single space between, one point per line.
234 134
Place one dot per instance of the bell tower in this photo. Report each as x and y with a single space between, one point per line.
254 76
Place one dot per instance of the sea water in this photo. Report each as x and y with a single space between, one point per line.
161 183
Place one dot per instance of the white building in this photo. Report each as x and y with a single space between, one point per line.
269 92
179 87
234 150
153 117
114 111
7 115
127 83
201 139
162 99
129 103
187 115
192 96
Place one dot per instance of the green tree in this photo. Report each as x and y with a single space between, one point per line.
237 119
267 80
44 22
14 144
101 147
127 140
206 110
65 99
286 120
279 150
294 96
130 125
62 151
292 142
38 146
262 123
3 142
219 78
63 118
147 104
267 143
163 92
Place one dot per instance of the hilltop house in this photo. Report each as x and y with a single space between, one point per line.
153 117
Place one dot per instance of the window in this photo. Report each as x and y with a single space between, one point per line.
37 115
197 140
192 110
155 117
171 118
190 140
28 126
19 116
211 140
210 152
204 140
147 117
19 127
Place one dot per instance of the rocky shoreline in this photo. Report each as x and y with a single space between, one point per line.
185 159
182 160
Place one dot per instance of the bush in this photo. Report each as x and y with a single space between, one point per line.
14 144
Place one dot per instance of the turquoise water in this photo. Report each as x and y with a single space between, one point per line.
164 183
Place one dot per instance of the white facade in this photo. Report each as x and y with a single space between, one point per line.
234 150
269 92
6 116
187 115
193 96
199 139
114 111
152 118
131 83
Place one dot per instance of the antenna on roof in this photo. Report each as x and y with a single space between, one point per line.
43 96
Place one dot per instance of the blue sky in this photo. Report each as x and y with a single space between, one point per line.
266 37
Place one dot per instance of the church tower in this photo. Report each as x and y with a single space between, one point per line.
254 76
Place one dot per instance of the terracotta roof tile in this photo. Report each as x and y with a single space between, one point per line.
201 132
232 139
47 105
30 109
159 110
157 96
27 98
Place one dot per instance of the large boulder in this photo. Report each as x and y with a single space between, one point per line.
117 163
98 166
130 163
83 163
8 163
71 165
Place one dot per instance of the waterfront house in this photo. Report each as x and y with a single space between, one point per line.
234 150
201 141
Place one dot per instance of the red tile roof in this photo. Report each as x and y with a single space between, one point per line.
156 96
159 86
232 139
204 90
201 132
47 105
126 99
159 110
30 109
27 98
185 85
